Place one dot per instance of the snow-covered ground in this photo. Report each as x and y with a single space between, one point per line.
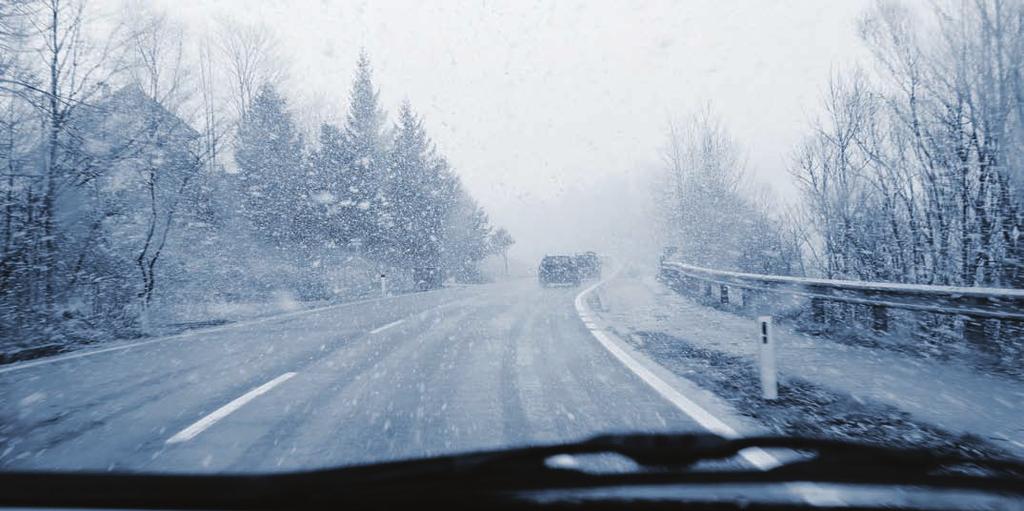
955 398
184 314
173 317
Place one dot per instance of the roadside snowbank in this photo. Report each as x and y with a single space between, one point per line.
953 398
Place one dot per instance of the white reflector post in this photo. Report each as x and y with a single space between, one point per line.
383 284
766 348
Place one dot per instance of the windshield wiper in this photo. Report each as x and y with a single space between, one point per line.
664 459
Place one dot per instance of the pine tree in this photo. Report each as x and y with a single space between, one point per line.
269 157
330 186
365 147
416 192
467 233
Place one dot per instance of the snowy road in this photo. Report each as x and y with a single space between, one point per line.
447 371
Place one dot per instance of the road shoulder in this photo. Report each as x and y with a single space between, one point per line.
826 389
707 409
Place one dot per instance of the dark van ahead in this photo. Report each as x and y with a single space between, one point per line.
558 269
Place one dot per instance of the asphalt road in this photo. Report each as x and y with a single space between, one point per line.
431 373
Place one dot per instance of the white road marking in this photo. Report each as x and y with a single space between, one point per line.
192 333
202 424
387 326
813 494
757 457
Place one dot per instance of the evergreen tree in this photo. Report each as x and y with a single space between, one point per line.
467 233
269 158
365 147
331 181
416 191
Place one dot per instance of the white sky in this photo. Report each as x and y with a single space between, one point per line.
534 101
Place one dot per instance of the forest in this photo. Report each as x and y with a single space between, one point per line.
912 172
148 171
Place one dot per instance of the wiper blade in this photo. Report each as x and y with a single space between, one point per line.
679 451
844 457
665 458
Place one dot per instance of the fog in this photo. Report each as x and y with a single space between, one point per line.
545 108
258 236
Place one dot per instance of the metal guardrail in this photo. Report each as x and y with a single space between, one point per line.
976 303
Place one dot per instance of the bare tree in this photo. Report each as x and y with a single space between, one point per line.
913 175
159 70
706 213
251 59
211 126
501 241
74 70
830 170
952 92
704 167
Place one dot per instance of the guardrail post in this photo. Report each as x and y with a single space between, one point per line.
723 294
707 290
818 310
879 318
974 333
744 298
766 348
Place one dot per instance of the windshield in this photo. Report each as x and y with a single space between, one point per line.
265 236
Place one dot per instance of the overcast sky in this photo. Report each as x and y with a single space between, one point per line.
541 105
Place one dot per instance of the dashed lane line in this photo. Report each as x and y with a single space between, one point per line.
203 424
387 326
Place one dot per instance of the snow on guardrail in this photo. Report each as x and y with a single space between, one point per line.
973 302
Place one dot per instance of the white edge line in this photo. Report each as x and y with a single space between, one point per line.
202 424
813 494
756 456
387 326
201 331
